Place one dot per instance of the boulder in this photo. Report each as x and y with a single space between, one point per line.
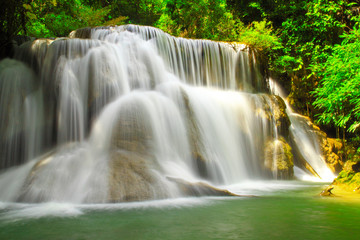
273 109
352 166
132 177
281 118
133 170
201 189
349 178
330 147
83 33
66 174
196 144
132 131
279 158
327 192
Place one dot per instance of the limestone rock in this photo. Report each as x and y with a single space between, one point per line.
132 131
351 166
349 177
66 174
327 192
281 118
200 189
273 108
84 33
329 147
132 178
133 170
194 135
279 159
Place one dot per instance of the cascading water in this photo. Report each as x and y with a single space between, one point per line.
304 139
21 113
130 113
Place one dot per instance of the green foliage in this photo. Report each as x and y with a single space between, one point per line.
259 35
208 19
143 12
345 176
55 18
309 32
308 35
350 178
338 94
168 25
12 20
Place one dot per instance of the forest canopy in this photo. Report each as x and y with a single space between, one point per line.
312 47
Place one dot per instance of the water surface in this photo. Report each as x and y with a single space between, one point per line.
281 210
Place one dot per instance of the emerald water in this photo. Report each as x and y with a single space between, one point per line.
280 210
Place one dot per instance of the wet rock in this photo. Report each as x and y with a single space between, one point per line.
342 190
196 144
327 192
349 177
132 131
17 84
273 108
133 177
281 118
134 174
351 166
329 148
279 158
201 189
83 33
33 53
67 174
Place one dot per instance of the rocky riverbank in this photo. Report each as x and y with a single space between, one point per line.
347 184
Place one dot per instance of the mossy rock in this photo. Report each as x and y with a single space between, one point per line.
279 159
273 109
349 176
330 148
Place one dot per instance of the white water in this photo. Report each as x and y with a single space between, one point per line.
12 212
171 103
306 140
21 113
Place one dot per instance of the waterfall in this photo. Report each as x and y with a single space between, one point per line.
130 113
21 113
304 139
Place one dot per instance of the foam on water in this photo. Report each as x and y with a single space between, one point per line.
12 212
264 188
16 212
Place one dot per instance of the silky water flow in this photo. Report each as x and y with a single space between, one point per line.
127 113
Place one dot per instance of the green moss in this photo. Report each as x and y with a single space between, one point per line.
344 177
355 180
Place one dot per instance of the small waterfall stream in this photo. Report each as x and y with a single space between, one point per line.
305 139
116 113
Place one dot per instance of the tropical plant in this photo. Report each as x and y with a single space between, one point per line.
338 93
208 19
